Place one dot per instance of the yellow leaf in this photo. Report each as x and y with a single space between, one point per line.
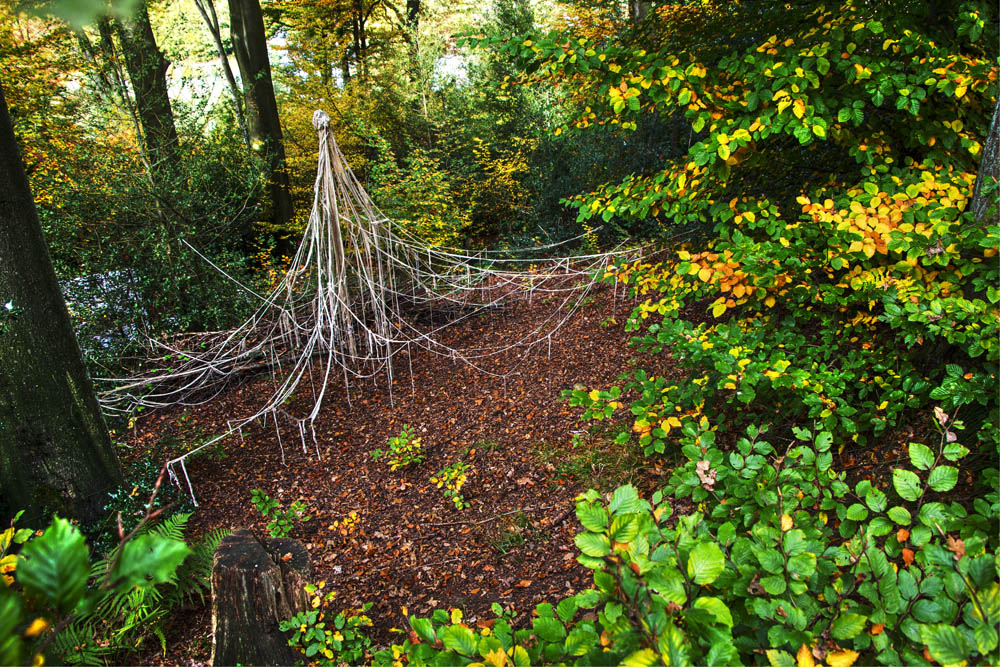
723 151
496 657
786 522
718 309
705 274
37 627
594 395
769 302
960 91
819 131
799 108
842 658
804 658
456 616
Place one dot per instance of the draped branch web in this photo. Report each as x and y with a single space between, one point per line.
359 292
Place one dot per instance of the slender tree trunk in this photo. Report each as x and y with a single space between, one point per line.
207 10
638 10
55 454
147 69
250 46
984 204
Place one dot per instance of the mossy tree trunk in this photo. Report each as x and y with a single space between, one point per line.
984 202
55 454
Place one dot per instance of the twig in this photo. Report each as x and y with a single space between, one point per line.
492 518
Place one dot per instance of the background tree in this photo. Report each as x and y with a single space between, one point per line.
147 70
250 46
55 453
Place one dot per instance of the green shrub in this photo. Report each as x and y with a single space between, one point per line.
404 450
783 561
326 638
280 522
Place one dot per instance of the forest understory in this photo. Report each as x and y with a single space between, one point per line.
530 456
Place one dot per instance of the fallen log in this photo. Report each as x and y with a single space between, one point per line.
256 584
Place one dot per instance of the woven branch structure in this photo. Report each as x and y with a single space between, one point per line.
350 302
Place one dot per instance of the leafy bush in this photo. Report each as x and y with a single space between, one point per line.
784 560
404 450
122 622
280 522
325 638
45 590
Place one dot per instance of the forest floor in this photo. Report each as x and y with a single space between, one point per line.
530 456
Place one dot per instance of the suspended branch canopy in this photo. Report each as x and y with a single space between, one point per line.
359 291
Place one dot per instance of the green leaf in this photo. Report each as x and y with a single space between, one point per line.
549 629
921 456
946 643
566 609
673 647
780 658
592 516
774 585
906 483
460 639
857 512
56 566
424 629
943 478
803 564
954 451
10 617
520 657
645 657
848 626
579 641
876 500
624 527
148 559
986 638
717 608
900 515
595 545
625 499
705 563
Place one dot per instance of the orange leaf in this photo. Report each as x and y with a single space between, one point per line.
907 556
805 657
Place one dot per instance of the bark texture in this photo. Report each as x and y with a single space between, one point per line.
989 173
147 70
55 454
253 589
250 48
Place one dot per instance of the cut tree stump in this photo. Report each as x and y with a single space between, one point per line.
256 584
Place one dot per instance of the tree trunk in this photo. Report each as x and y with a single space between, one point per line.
55 454
147 70
250 47
207 10
638 10
253 590
989 173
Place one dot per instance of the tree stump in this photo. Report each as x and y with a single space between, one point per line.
255 586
